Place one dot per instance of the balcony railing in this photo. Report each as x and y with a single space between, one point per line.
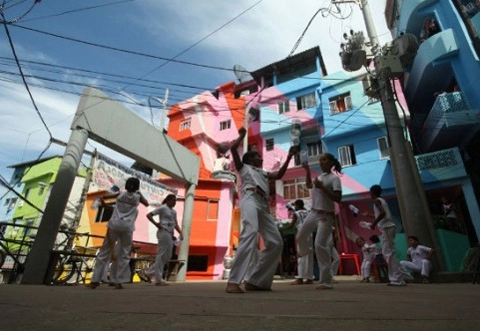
441 159
450 103
445 103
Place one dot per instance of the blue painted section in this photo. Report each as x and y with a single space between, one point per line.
7 208
445 55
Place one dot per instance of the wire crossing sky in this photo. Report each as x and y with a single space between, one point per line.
132 50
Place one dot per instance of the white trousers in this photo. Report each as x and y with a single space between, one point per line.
335 260
396 273
366 268
305 263
119 242
164 253
256 219
324 223
423 266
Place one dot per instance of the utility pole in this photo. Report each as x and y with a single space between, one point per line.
416 217
164 110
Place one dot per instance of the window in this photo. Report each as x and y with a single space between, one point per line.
306 101
212 210
382 143
269 144
340 104
28 230
41 190
347 155
284 107
27 193
314 149
197 263
103 214
294 189
225 125
12 203
186 124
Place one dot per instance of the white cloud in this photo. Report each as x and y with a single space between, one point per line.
263 35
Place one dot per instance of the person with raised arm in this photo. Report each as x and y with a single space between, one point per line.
326 190
256 219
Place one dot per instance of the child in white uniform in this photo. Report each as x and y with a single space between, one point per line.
383 219
418 258
367 258
256 219
166 224
117 244
326 189
304 263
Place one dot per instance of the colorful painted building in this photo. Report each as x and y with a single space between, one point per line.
334 114
442 94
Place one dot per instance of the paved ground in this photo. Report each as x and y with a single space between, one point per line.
205 306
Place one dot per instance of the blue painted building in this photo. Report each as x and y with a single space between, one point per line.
441 87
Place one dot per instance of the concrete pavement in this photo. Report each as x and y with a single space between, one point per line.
205 306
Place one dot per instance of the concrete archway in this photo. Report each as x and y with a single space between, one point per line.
109 123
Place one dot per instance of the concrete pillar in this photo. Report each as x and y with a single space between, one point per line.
186 228
39 256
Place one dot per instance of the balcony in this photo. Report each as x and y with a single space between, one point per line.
450 123
431 70
441 165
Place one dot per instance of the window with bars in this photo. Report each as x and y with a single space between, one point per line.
269 144
284 107
314 149
225 125
186 124
340 104
346 155
306 101
294 189
382 143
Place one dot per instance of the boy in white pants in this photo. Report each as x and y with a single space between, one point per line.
418 258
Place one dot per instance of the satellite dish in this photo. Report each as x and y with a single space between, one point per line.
242 74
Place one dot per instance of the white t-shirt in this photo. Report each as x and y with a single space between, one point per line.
301 215
167 217
319 200
418 253
125 212
252 177
386 221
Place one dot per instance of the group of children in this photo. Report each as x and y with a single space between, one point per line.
251 267
117 244
418 257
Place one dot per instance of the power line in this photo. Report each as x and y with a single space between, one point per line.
123 50
21 73
199 41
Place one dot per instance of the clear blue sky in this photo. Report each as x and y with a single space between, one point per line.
123 47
